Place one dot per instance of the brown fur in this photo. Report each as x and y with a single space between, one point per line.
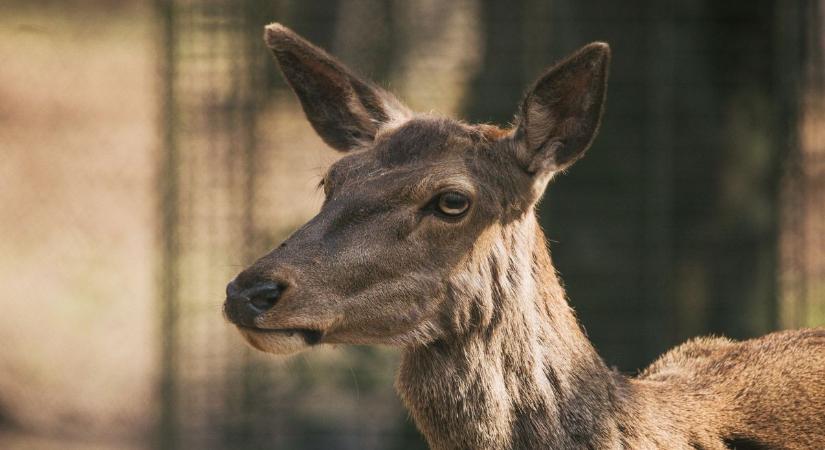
493 355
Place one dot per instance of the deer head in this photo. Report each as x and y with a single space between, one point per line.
416 202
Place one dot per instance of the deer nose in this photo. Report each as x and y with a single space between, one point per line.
243 305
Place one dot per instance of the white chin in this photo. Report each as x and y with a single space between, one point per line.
275 342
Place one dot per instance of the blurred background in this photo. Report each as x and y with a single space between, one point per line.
149 150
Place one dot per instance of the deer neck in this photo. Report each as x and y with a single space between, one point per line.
515 370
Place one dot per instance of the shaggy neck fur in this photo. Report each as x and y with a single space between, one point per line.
515 370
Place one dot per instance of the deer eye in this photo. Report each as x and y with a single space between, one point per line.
452 204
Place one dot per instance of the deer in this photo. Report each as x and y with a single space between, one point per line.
428 241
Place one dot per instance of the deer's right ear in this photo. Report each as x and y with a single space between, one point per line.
560 114
345 110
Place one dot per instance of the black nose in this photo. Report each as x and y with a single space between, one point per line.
243 305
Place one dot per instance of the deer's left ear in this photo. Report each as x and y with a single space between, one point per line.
346 110
560 114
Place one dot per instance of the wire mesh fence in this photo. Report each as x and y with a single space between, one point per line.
802 243
205 199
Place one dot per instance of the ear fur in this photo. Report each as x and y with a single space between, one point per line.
344 110
561 113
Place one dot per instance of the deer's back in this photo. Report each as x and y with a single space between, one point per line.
767 392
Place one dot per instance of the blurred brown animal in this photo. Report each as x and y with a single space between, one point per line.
428 240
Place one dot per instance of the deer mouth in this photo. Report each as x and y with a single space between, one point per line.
311 337
280 340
